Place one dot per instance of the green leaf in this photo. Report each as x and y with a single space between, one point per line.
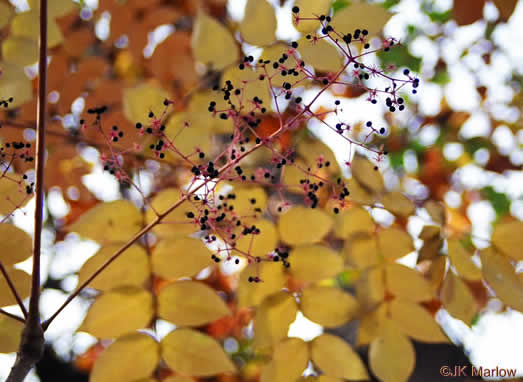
440 17
401 57
500 202
338 5
388 4
441 77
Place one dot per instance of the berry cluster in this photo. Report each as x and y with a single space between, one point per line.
216 214
5 103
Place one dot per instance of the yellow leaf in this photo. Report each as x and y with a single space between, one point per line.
436 272
398 204
249 83
258 26
461 259
372 17
311 9
320 378
363 171
138 101
457 299
508 239
212 43
361 251
505 8
272 320
436 211
329 307
109 222
371 325
502 278
273 53
407 283
370 288
129 358
358 194
132 303
394 243
200 101
261 244
289 360
187 132
180 257
22 283
20 51
13 83
431 248
336 358
130 268
246 200
10 332
415 321
189 352
177 378
302 225
323 56
6 12
314 263
16 244
392 356
311 150
352 221
27 25
56 8
176 223
252 294
190 303
429 232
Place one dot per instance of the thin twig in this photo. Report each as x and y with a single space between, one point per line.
13 316
13 289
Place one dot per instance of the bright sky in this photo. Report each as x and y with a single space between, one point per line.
496 339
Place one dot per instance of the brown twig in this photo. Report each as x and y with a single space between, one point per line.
13 316
32 342
13 289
